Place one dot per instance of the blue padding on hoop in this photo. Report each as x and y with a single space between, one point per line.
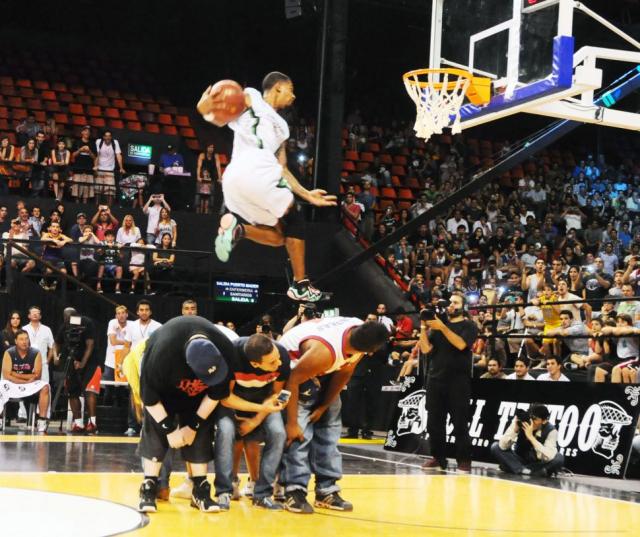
560 79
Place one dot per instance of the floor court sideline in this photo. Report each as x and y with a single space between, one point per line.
98 478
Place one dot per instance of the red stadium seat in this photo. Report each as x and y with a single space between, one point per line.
165 119
77 89
187 132
398 170
52 106
386 159
362 166
23 83
27 93
79 121
351 155
4 112
41 84
130 115
34 104
387 192
4 125
40 116
76 109
116 124
366 156
119 103
169 130
15 102
135 105
19 113
98 122
349 166
112 113
94 111
153 107
400 160
102 101
6 81
59 86
61 118
152 128
183 121
66 98
405 193
194 145
134 126
48 95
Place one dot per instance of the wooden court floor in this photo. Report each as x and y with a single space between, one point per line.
391 497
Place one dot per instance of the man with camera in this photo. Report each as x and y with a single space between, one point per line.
529 446
75 343
447 336
306 312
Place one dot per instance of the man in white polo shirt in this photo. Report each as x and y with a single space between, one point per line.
118 338
41 338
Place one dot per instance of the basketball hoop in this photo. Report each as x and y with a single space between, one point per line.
439 94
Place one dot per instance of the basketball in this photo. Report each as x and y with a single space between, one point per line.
225 102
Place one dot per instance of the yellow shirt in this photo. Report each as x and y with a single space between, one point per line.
550 315
131 367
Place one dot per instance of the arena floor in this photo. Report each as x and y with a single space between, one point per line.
94 487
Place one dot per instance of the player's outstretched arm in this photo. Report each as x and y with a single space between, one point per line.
317 197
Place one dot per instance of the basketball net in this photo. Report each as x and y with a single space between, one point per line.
438 100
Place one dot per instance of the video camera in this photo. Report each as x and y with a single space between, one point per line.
523 415
439 309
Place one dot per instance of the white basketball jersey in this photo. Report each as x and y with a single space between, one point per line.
259 128
330 331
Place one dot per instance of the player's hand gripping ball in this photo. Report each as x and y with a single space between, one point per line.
223 102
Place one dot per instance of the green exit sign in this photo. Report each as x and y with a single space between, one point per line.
139 151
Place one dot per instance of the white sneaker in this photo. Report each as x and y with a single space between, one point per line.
132 432
247 490
184 491
42 426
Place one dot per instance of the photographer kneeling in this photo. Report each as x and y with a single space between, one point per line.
529 446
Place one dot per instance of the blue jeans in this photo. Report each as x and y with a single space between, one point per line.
512 463
274 436
318 452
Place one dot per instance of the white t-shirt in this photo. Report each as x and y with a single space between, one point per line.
122 333
547 376
513 376
153 217
140 332
42 339
107 154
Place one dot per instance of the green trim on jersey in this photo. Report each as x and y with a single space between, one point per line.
283 183
254 128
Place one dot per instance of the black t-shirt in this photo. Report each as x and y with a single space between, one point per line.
446 362
84 161
66 334
255 384
166 377
592 286
110 255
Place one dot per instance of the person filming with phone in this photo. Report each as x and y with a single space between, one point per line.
152 208
259 369
530 444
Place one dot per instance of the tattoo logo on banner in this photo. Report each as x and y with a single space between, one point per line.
595 425
633 394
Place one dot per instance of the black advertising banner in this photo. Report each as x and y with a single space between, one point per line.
595 422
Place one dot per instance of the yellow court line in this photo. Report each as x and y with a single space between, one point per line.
53 439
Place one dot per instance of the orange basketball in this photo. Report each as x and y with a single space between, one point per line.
227 101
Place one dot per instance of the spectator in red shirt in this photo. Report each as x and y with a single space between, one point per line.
104 221
404 326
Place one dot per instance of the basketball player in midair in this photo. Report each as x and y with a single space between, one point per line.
258 187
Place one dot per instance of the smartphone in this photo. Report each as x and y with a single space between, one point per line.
283 396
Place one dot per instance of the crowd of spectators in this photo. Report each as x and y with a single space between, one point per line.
551 234
96 250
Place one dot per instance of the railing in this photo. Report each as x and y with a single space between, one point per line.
32 249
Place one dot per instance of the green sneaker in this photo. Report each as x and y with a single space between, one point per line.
229 233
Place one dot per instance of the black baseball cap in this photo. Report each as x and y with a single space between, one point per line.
206 361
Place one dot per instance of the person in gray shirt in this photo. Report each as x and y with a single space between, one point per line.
571 327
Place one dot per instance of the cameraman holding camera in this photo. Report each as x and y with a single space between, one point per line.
75 341
529 446
306 312
448 343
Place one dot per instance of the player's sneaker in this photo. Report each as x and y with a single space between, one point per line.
224 501
247 490
42 426
235 495
91 428
303 291
148 492
77 429
184 491
229 233
334 501
131 432
268 504
296 502
201 499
